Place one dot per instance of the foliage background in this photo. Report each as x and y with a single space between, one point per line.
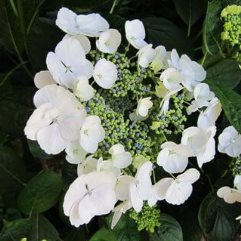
32 184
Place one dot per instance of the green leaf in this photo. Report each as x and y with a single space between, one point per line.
42 229
15 230
161 31
170 230
104 235
217 218
225 73
35 229
212 27
41 193
231 102
125 229
190 10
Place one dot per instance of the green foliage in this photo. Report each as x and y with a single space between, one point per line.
225 73
231 102
40 193
36 228
212 28
190 10
170 230
217 218
161 31
104 235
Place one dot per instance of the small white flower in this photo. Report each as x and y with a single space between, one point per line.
75 153
90 24
143 106
83 40
141 187
88 196
160 60
237 182
146 55
202 97
43 78
83 89
91 134
192 71
68 62
135 33
229 142
171 79
174 157
177 190
120 157
109 41
209 116
105 73
57 119
229 195
201 142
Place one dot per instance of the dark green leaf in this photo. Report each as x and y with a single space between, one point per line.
104 235
212 27
231 102
125 229
15 230
161 31
42 229
41 192
190 10
35 229
217 218
170 230
225 73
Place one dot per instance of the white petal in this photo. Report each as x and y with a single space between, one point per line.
122 187
229 195
43 78
36 121
105 73
109 41
66 20
91 24
135 33
178 193
190 176
83 40
50 139
83 89
143 106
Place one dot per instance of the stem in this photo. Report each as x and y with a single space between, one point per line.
113 6
208 178
10 73
22 62
204 58
12 175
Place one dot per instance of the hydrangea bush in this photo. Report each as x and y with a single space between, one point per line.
120 110
135 131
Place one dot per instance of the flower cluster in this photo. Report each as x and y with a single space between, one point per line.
120 114
231 16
